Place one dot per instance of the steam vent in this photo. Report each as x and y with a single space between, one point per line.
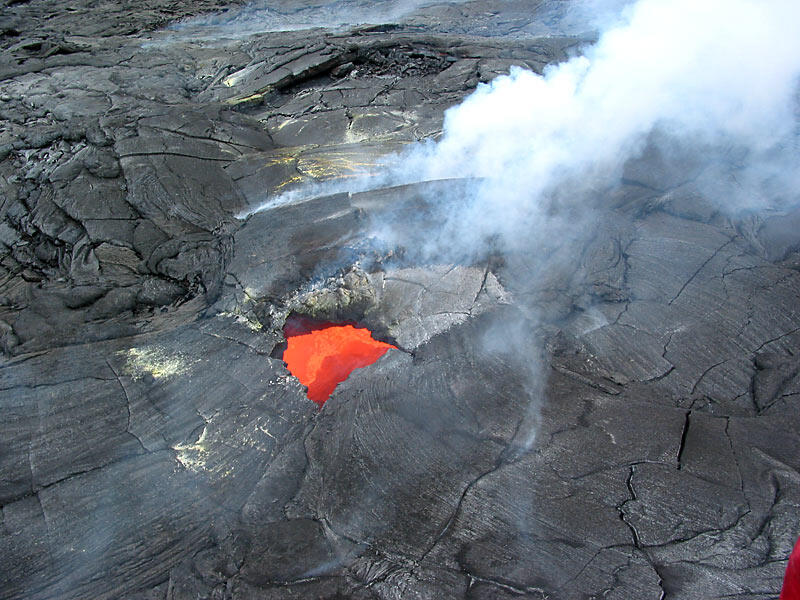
430 299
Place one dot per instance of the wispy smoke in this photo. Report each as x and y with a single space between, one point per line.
270 15
713 84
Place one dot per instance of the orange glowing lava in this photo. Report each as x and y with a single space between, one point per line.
322 355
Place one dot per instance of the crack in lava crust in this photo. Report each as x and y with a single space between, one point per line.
322 355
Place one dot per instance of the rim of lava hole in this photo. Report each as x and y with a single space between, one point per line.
322 354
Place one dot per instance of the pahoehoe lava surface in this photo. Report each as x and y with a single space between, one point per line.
634 436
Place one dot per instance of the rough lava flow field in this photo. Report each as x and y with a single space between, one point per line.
572 228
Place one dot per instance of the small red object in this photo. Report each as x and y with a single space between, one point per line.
322 355
791 581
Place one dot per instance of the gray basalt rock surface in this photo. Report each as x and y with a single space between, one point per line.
612 415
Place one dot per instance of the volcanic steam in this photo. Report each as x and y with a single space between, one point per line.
712 83
322 355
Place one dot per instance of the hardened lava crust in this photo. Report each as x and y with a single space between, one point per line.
612 415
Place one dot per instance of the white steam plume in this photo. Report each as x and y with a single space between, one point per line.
711 74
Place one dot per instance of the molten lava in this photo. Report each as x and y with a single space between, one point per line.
322 355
